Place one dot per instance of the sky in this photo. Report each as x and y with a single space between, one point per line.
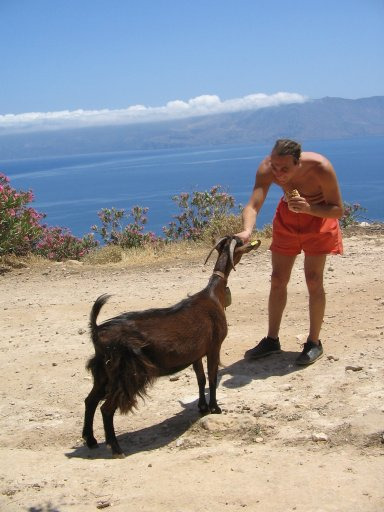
76 62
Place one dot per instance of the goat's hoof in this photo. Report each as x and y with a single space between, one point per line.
215 410
118 455
203 409
91 443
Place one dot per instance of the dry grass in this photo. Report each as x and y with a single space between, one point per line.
161 253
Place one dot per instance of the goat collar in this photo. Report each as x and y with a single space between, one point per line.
220 274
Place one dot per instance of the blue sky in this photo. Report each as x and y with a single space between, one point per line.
109 55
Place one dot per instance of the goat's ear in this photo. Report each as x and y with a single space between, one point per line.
250 246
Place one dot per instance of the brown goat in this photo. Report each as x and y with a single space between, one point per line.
133 349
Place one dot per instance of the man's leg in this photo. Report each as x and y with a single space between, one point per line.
314 274
281 272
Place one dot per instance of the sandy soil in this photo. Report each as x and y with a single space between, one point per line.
288 439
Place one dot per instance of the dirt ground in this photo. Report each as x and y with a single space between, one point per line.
289 439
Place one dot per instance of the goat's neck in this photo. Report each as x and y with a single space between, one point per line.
217 285
220 274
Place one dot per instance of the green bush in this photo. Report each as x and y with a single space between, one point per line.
19 224
22 233
351 214
116 229
198 211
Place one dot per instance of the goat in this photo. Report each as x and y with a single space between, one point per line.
133 349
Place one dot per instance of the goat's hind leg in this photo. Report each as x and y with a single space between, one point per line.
91 402
108 411
201 380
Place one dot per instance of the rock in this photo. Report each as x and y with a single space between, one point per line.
353 368
103 504
215 423
318 437
74 262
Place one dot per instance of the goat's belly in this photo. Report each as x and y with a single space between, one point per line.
172 361
170 371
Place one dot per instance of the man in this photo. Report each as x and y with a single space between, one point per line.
307 222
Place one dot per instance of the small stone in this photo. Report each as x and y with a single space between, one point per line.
318 437
81 331
103 504
173 378
353 368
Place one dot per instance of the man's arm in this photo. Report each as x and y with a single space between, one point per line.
331 207
262 183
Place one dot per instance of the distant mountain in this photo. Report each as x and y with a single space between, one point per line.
326 118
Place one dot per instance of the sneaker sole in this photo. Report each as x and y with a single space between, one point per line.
310 362
260 356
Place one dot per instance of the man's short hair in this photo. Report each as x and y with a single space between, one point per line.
285 147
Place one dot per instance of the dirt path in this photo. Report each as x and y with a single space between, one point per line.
289 439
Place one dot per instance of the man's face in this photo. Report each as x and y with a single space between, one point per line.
283 167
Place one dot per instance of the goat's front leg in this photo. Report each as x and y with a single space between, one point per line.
213 364
201 380
91 403
110 437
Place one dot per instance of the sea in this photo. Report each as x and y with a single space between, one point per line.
70 190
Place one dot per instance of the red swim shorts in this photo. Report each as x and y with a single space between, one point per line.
295 232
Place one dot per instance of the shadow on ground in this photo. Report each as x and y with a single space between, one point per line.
244 371
145 439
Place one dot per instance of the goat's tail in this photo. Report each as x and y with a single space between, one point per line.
125 372
119 363
100 301
130 373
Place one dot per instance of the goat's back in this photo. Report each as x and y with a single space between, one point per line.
174 336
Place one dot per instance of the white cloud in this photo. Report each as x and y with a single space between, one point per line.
201 105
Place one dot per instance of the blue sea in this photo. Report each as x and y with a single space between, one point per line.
70 190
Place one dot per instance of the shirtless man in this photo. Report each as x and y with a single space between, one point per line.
306 222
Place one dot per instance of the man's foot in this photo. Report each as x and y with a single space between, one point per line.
311 352
264 348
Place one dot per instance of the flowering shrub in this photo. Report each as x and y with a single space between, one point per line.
59 244
351 214
21 231
197 211
113 229
19 225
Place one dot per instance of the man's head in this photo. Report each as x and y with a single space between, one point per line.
285 160
284 147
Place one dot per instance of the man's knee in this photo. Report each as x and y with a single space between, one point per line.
314 281
279 279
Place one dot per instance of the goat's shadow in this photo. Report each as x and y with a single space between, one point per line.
244 371
161 434
145 439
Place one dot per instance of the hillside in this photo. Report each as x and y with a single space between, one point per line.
326 118
284 428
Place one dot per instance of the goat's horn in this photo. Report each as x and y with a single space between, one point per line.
213 248
231 251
